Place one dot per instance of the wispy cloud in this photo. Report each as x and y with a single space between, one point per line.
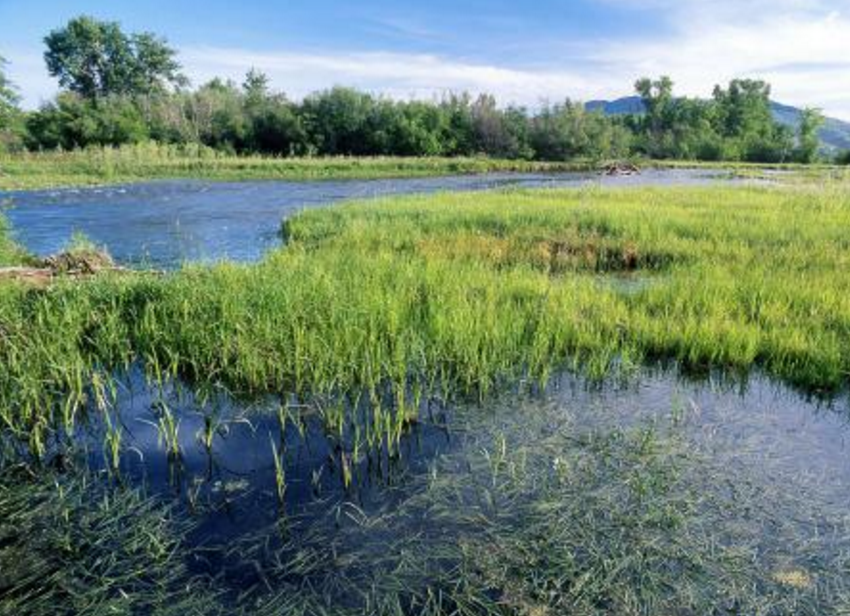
394 74
797 45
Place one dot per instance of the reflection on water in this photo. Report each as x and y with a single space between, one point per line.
761 448
166 223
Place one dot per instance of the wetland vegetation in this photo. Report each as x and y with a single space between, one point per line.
377 312
584 400
150 161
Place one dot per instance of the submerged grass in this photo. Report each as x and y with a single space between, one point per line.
374 307
457 294
69 544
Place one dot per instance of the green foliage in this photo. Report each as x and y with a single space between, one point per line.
736 124
73 122
808 143
95 58
464 293
10 115
567 131
122 81
10 253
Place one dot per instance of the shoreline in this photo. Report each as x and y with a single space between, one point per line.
117 166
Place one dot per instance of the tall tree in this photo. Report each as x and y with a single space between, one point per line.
808 140
744 108
658 102
8 98
11 118
256 87
95 59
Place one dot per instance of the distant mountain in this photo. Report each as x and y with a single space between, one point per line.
835 134
621 106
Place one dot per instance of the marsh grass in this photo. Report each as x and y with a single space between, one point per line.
149 161
108 165
74 544
11 253
543 511
385 305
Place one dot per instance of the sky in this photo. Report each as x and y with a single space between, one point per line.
522 52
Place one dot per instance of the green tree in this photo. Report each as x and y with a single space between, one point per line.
744 118
72 121
256 87
337 121
95 59
657 97
11 118
567 131
8 98
808 139
744 108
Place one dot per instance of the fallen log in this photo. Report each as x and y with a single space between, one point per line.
42 276
621 169
73 265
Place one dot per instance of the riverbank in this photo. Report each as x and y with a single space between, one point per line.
109 166
103 166
464 292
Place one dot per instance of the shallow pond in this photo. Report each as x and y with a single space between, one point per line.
165 223
754 470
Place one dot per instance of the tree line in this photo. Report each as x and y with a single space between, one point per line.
120 88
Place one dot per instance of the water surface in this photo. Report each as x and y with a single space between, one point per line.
165 223
770 467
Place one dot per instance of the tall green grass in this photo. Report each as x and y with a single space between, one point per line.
108 165
458 295
10 252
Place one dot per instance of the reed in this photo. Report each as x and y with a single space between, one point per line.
456 296
129 163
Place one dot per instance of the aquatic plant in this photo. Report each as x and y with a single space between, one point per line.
453 296
74 544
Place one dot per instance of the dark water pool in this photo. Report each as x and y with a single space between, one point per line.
165 223
770 472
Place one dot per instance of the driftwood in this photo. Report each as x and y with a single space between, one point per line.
620 169
78 264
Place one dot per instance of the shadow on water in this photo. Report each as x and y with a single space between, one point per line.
166 223
765 471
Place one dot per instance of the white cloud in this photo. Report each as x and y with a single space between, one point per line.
797 45
395 74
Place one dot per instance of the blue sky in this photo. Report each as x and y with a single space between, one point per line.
522 52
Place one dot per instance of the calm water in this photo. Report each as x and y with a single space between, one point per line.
782 455
165 223
778 459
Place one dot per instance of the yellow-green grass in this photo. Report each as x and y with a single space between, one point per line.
11 253
150 161
459 294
